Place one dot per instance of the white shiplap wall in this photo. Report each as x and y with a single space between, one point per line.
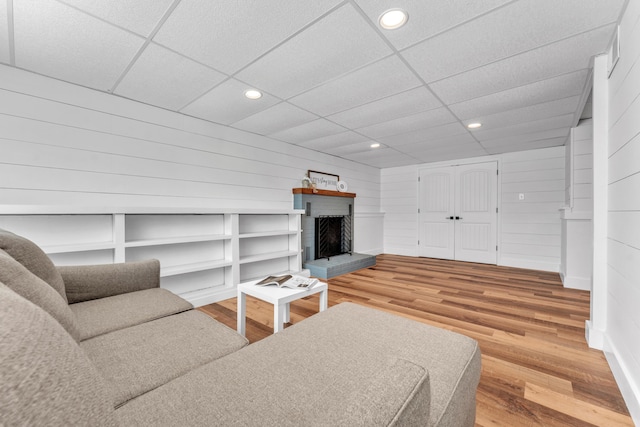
577 227
63 144
622 341
529 235
530 229
582 179
399 190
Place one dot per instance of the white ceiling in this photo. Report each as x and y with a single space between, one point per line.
333 80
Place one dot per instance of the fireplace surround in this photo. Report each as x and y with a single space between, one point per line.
329 216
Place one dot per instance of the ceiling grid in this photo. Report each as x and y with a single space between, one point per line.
332 79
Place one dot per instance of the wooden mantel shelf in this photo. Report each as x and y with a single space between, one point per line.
323 192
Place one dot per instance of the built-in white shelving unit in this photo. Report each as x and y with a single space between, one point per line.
203 253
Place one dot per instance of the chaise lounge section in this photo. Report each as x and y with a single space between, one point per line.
105 345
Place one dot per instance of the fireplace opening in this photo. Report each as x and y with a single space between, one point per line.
332 236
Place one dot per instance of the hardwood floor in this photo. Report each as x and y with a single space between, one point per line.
537 369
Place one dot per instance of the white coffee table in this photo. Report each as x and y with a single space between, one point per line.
279 297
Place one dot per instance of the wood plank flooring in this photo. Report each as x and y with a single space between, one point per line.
537 369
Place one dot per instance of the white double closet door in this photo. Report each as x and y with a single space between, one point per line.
458 212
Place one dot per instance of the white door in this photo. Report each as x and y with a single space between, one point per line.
475 213
437 204
458 218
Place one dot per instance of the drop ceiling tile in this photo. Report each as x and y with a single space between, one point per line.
463 145
426 19
535 93
382 158
443 157
529 113
275 119
515 28
227 104
426 119
394 106
308 131
140 16
334 141
228 35
386 77
524 146
423 135
552 60
4 34
462 151
348 149
164 78
438 143
525 138
349 73
84 51
566 121
339 43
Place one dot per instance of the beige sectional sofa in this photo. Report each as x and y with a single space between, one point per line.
105 345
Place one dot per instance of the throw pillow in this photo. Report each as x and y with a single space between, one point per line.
28 285
33 258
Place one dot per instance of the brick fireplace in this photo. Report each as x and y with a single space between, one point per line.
327 232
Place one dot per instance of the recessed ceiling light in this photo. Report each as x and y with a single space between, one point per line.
375 145
393 18
253 94
474 125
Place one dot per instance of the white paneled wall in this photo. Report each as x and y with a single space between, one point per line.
622 337
399 189
63 144
529 235
577 227
582 171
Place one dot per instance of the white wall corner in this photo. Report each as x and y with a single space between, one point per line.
595 337
368 233
600 194
624 378
574 282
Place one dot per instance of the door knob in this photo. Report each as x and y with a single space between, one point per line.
448 217
458 217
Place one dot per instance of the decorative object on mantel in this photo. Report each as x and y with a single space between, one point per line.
324 181
342 186
307 183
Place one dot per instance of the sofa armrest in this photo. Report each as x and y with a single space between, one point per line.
87 282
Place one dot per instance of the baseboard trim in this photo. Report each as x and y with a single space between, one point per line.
376 251
573 282
401 251
623 376
530 265
209 296
595 337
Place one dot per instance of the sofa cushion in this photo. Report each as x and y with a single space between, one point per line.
97 317
28 285
45 379
33 258
140 358
317 371
378 395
